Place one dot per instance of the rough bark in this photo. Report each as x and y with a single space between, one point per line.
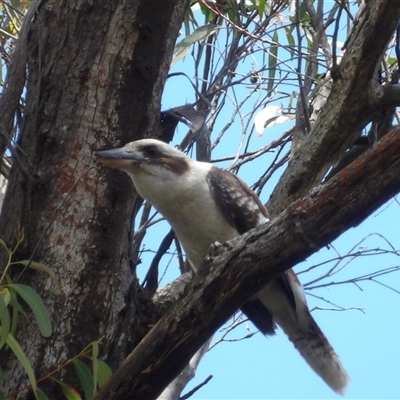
345 201
95 76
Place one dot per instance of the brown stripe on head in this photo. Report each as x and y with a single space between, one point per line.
141 153
158 153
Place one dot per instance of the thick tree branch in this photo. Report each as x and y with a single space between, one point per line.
222 284
386 96
346 110
14 84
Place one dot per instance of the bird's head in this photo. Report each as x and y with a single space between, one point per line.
145 156
153 166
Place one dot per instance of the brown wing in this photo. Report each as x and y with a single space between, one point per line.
244 211
238 203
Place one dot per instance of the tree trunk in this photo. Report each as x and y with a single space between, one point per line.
95 77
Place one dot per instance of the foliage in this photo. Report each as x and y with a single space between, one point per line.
11 295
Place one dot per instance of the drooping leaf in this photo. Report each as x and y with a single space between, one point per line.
272 62
19 353
3 243
37 305
43 268
16 309
199 34
3 376
205 11
41 395
5 324
332 12
5 293
104 372
261 7
95 353
69 392
189 19
85 378
291 41
233 13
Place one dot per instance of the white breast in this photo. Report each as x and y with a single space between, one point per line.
188 205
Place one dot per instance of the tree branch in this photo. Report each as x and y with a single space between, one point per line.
346 110
387 96
222 284
15 80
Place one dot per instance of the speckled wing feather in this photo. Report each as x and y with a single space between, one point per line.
244 211
238 203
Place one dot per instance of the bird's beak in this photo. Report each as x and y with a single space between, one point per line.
121 158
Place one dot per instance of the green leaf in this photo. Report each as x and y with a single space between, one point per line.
291 41
41 395
332 12
4 319
16 349
43 268
261 8
95 353
5 293
16 309
272 61
3 243
2 396
199 34
3 376
206 11
95 349
104 372
303 15
233 13
69 392
37 305
15 3
189 19
85 378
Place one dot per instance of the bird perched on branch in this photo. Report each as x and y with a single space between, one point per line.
205 204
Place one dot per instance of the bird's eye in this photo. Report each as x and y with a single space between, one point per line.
152 151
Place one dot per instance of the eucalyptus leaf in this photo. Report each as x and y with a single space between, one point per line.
37 305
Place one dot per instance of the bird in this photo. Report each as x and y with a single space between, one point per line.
205 204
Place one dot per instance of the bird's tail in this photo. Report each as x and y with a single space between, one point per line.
315 348
293 316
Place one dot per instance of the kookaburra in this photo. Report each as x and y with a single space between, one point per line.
205 204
